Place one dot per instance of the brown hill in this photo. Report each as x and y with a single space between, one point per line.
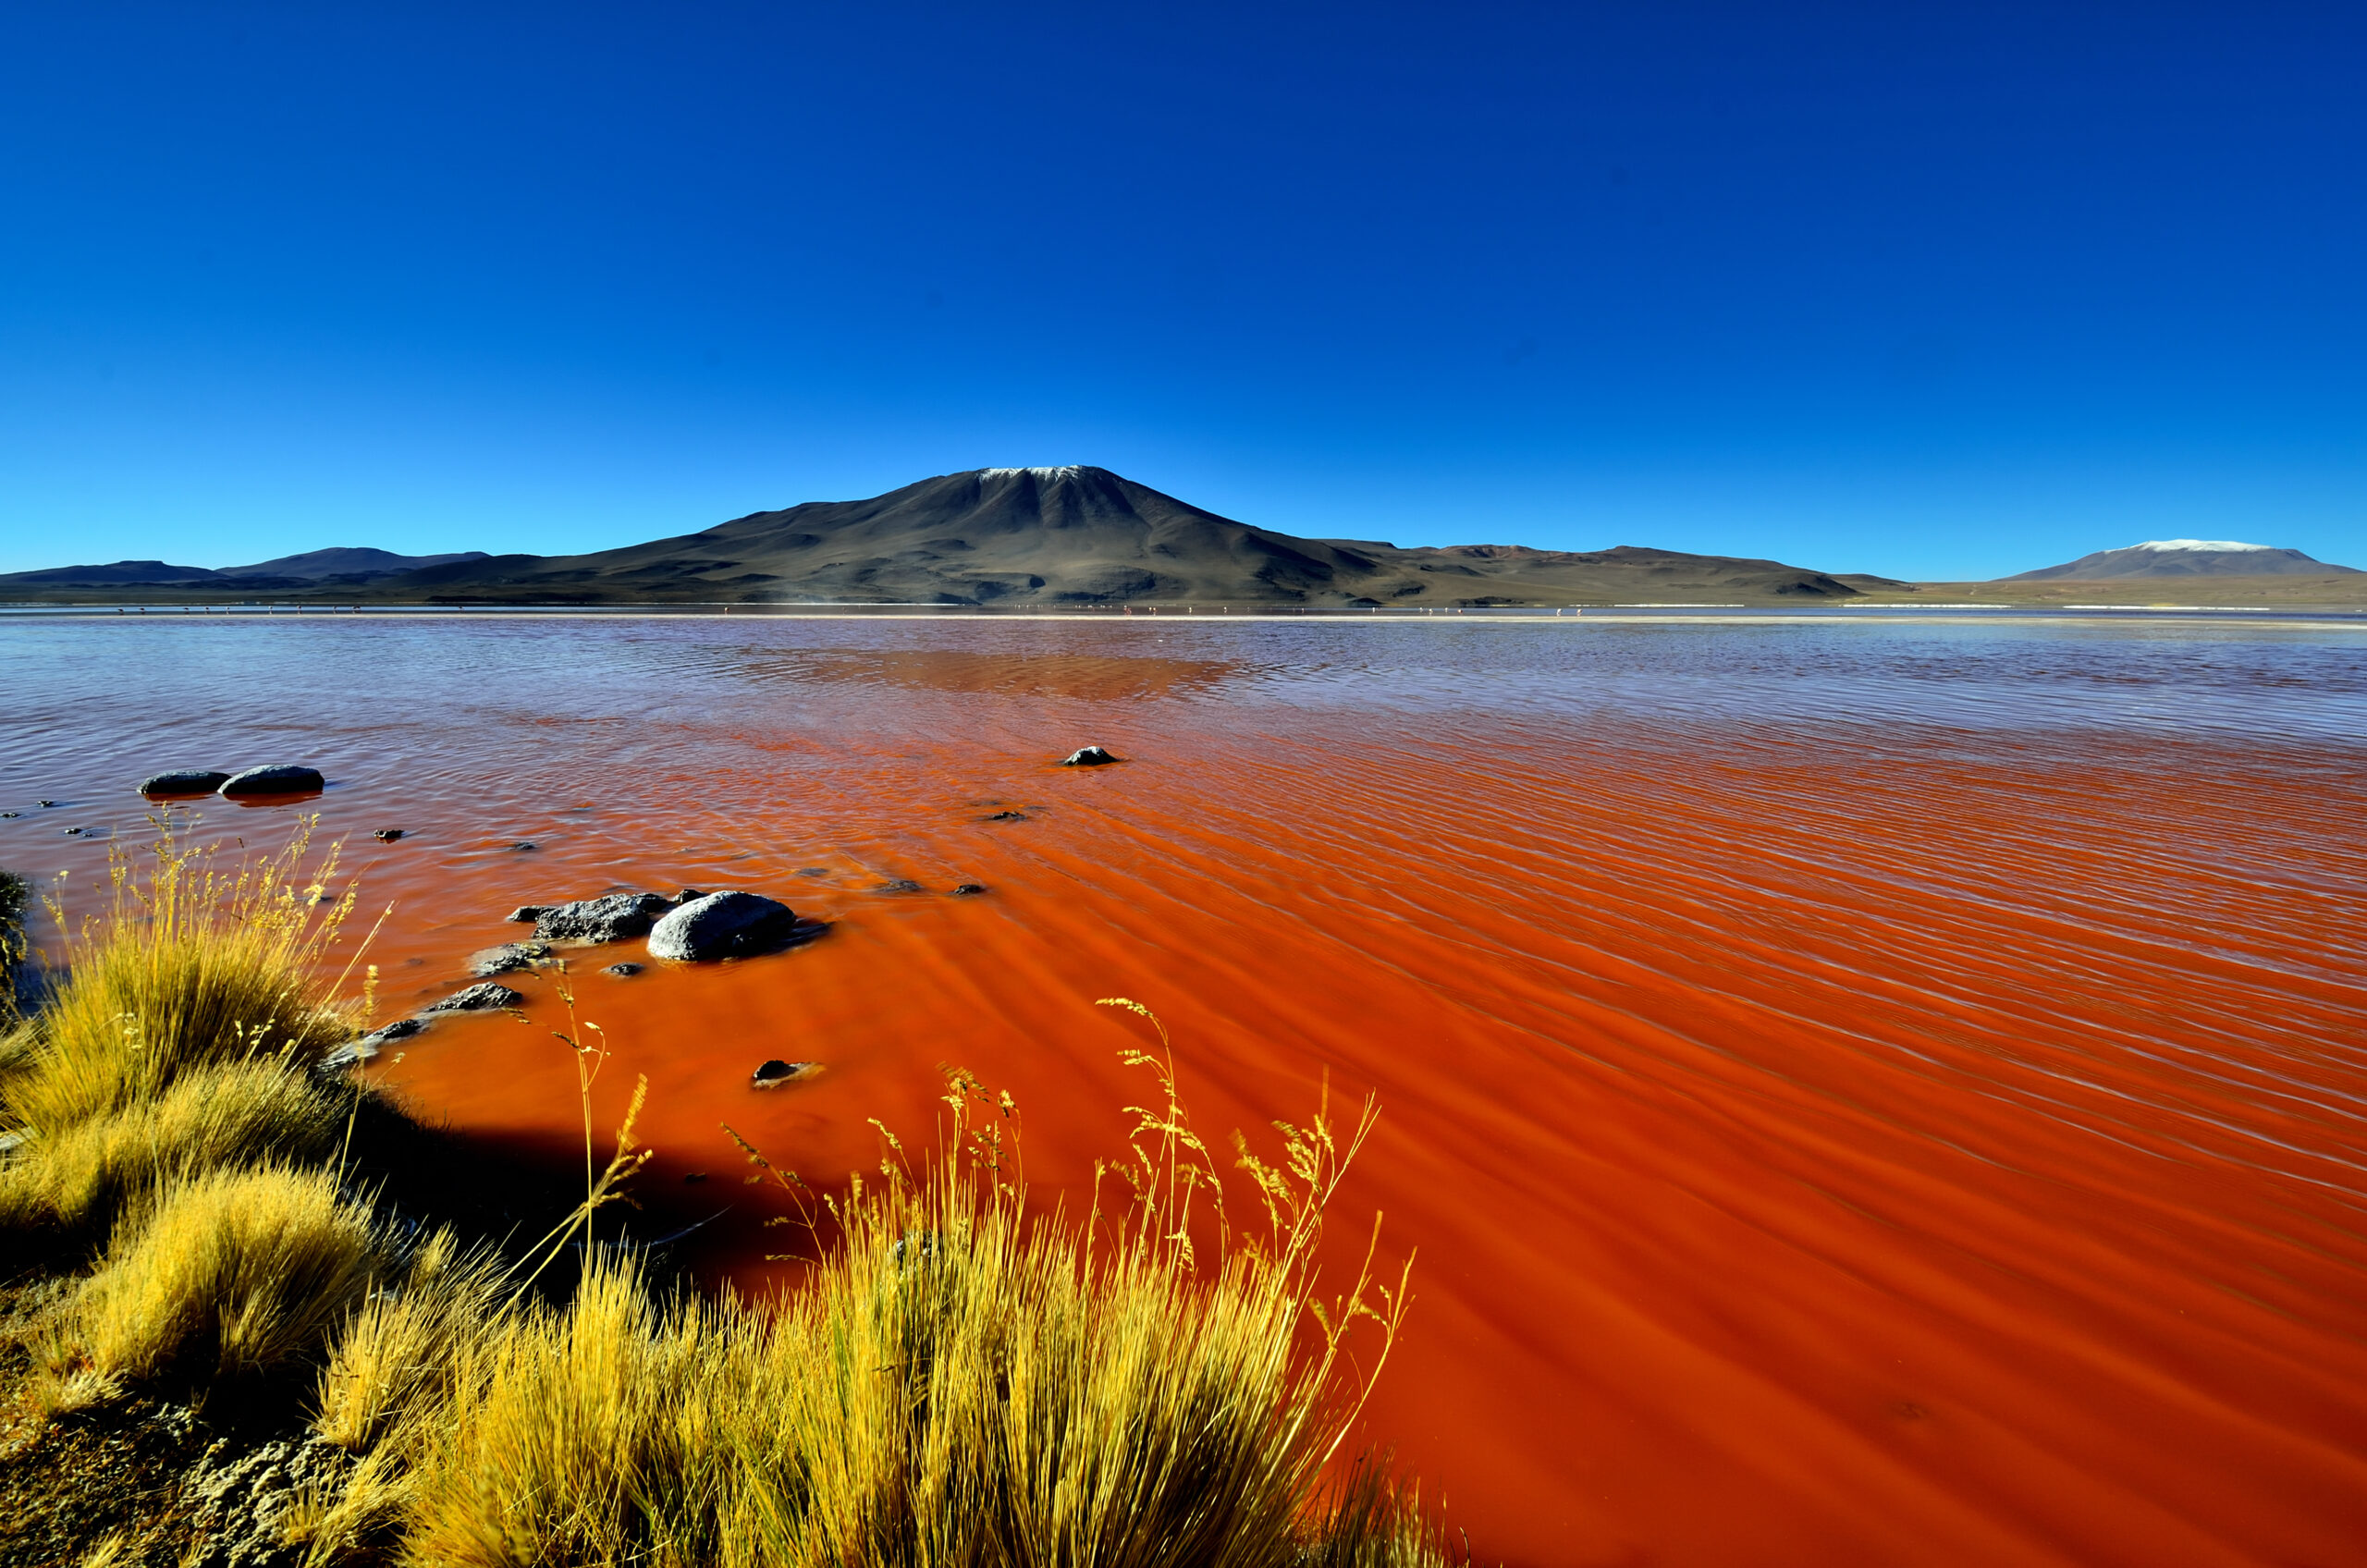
2185 557
1084 536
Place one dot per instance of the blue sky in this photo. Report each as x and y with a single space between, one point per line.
1932 290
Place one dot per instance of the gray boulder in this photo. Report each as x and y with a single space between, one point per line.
481 997
184 781
611 919
722 925
1088 756
287 779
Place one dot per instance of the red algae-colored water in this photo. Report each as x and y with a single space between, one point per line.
1861 1093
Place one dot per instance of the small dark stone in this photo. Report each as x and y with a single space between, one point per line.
686 896
610 919
694 1175
11 814
1008 816
285 778
530 911
809 871
45 802
774 1073
480 998
184 781
388 835
622 971
728 925
356 1051
523 844
507 959
968 890
900 885
1088 756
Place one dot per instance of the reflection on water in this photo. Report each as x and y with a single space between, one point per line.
1106 677
1861 1093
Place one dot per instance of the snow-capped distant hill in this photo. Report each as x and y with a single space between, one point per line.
2187 557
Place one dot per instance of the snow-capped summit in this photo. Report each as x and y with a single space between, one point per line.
2187 557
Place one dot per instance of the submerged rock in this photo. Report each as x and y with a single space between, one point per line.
774 1073
1009 815
356 1051
388 835
969 889
722 925
184 781
610 919
481 997
622 971
284 778
1088 756
507 958
900 885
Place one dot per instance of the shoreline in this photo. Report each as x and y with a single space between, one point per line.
2308 617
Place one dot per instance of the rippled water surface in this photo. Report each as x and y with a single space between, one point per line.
1861 1093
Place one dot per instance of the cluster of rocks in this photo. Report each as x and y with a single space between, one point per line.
690 927
280 778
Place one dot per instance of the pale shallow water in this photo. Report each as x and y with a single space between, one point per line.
1861 1092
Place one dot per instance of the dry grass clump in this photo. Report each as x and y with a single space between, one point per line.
15 896
178 1042
954 1382
234 1275
78 1179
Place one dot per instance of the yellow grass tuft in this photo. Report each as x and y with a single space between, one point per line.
954 1381
235 1274
239 1113
179 1042
193 965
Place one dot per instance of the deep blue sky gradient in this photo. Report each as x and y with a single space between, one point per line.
1934 290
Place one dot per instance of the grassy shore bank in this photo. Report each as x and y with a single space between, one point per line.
254 1314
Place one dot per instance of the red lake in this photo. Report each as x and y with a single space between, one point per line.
1857 1091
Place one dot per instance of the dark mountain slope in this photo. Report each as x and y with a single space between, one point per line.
1057 536
353 564
347 566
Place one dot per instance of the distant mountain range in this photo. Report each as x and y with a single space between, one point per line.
1016 536
1073 536
2185 557
313 569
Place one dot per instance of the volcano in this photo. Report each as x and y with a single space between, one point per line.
2185 557
1084 536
